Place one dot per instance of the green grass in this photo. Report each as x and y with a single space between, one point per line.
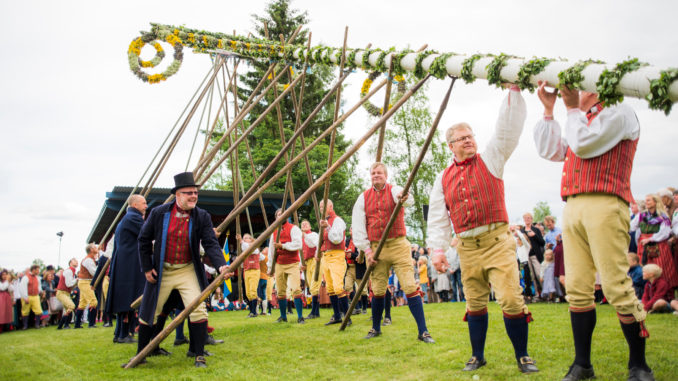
259 348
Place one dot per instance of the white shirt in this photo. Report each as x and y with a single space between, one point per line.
612 125
360 222
23 287
311 239
453 259
674 223
293 245
508 128
336 232
244 246
522 251
16 284
69 278
6 286
663 233
89 264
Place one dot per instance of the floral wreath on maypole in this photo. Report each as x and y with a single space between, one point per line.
136 63
371 108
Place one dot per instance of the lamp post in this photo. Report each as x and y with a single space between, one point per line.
60 235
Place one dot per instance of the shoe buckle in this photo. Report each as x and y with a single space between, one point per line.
526 360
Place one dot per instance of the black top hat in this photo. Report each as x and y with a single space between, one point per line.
183 180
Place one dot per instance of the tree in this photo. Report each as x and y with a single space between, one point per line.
541 210
39 262
265 140
405 134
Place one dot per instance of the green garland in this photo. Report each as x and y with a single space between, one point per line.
571 77
658 98
609 80
397 68
418 69
380 65
494 70
467 68
350 59
438 68
530 69
366 58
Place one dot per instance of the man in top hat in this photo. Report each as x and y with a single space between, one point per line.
371 212
597 150
287 270
169 252
469 197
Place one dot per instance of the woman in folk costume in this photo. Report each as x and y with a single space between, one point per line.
655 228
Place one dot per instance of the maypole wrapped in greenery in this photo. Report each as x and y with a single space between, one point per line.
611 82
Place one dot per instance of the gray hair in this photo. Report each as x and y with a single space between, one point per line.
455 127
379 164
133 199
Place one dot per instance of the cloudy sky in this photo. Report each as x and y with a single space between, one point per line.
75 122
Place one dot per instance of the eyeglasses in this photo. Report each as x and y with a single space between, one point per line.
463 138
190 193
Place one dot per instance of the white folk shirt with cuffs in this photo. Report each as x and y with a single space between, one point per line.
371 213
335 234
87 268
309 244
252 261
291 241
29 285
598 150
67 280
468 196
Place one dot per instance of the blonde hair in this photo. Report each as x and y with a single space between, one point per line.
653 269
634 257
547 252
457 126
549 218
659 204
422 261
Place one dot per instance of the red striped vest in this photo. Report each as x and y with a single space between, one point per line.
350 249
33 285
286 257
252 262
84 273
327 245
379 205
473 196
62 281
309 252
607 173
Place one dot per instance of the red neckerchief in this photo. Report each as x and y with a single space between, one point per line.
594 111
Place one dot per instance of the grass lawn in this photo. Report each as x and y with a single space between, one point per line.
259 348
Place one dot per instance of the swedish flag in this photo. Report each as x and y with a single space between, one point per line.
227 256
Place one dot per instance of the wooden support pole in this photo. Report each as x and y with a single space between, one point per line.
387 103
398 205
262 238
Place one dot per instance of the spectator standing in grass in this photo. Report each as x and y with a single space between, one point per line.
6 301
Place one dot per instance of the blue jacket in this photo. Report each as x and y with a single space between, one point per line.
126 278
152 255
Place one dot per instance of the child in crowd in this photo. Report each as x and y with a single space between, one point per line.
423 276
548 280
658 296
636 274
218 300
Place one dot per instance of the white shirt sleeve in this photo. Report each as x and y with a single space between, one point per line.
4 286
611 126
674 223
663 233
336 232
210 270
509 126
439 225
271 251
548 140
359 224
295 243
395 190
89 265
311 239
633 226
23 287
70 279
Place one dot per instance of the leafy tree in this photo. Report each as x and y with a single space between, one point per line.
40 263
405 135
541 210
265 142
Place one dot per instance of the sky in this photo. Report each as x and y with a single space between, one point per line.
75 121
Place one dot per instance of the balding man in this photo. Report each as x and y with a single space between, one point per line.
334 262
126 278
371 213
469 197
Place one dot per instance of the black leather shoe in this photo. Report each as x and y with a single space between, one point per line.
183 341
301 320
578 372
473 364
281 320
333 320
115 339
527 365
372 333
311 316
127 340
251 315
200 362
212 341
640 374
426 337
190 353
159 352
387 321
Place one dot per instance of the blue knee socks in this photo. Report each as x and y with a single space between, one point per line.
377 310
477 328
417 310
